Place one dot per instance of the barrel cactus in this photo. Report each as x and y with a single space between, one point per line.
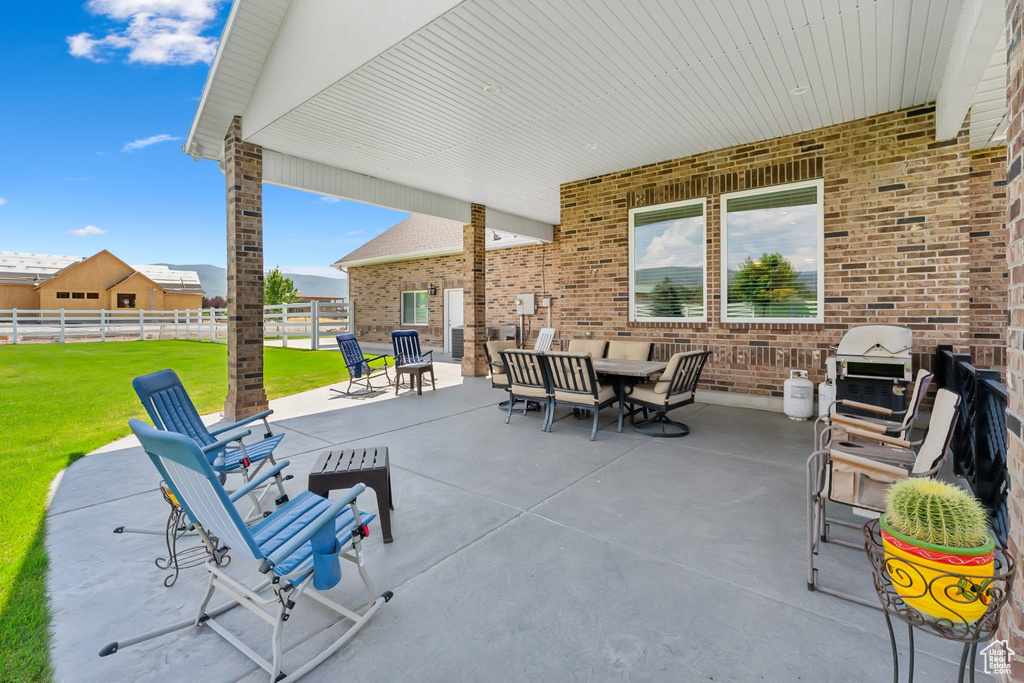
936 512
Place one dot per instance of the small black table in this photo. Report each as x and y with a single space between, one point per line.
344 468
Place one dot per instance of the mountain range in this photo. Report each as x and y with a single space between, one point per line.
215 281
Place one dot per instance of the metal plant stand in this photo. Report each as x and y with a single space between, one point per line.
890 571
176 527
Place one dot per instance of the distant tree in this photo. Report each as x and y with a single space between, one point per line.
666 300
278 289
766 281
214 302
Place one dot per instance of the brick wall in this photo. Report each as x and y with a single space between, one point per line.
989 275
1012 626
913 236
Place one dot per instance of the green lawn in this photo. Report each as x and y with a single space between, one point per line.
61 401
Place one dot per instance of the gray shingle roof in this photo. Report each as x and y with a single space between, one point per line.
414 237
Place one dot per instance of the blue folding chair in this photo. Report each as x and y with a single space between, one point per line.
297 546
170 408
409 360
360 372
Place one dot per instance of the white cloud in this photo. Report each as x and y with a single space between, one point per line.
2 201
681 244
330 200
354 232
146 142
157 31
86 231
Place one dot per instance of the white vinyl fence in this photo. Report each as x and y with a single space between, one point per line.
302 321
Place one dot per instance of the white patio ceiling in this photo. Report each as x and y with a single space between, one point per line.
391 103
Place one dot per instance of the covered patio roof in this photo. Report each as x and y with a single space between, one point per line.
430 106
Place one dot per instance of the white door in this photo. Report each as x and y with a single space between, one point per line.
452 315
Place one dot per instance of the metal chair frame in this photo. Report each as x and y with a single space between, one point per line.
527 369
574 375
684 379
360 372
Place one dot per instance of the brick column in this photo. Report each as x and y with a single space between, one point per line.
243 169
1012 627
474 293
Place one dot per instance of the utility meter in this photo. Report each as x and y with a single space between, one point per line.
525 304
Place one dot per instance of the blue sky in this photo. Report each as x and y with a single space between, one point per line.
98 96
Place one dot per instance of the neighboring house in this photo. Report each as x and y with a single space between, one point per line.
411 277
322 298
101 281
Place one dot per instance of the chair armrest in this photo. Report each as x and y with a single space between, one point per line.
869 466
326 517
234 436
241 423
257 481
881 438
847 421
864 406
373 358
428 353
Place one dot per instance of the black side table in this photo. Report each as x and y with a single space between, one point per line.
890 570
344 468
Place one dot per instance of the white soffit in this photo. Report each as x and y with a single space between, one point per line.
591 87
988 109
979 28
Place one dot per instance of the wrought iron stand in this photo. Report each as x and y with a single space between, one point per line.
890 572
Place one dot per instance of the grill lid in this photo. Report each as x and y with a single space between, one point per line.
877 341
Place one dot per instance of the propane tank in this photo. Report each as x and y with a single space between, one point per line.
798 396
826 396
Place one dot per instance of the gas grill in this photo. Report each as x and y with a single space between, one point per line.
873 365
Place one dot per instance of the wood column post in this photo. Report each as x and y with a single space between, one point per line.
243 171
474 292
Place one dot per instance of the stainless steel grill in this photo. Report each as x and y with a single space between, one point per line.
873 365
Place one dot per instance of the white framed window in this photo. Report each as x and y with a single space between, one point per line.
668 275
414 307
773 242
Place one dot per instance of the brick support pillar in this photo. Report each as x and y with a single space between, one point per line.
1012 627
244 173
474 293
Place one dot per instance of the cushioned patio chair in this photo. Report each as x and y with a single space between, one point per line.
410 360
297 547
856 474
360 372
674 389
493 349
574 384
594 348
544 339
169 406
889 422
629 350
528 380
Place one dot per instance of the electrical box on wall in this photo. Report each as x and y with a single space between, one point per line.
525 304
545 302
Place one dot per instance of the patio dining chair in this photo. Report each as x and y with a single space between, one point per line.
169 406
544 339
594 348
885 421
410 360
296 548
674 389
360 372
528 380
493 349
629 350
574 384
857 474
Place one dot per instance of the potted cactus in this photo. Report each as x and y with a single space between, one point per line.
939 554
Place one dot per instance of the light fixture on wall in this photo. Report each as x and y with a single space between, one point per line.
431 290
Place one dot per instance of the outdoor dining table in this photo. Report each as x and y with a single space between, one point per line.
623 372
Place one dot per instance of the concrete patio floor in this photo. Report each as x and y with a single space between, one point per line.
518 555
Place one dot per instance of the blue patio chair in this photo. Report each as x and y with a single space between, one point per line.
409 360
170 408
360 372
298 546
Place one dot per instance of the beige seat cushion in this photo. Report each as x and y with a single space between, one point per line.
603 394
592 347
628 350
529 392
500 378
494 349
648 393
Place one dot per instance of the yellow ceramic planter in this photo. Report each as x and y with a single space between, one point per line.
937 581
